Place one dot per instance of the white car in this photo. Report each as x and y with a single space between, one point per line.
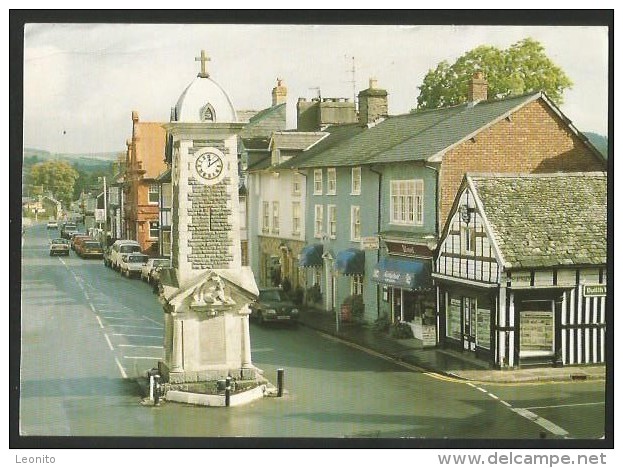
121 247
152 264
52 224
131 264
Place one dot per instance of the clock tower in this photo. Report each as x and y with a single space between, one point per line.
206 293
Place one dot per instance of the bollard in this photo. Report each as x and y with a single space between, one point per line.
227 390
279 382
156 390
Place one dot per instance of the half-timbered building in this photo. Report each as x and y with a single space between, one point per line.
521 269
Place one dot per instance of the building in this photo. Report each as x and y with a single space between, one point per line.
393 178
521 269
145 161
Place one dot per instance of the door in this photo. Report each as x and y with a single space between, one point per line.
469 323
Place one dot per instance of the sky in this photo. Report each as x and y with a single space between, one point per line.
82 81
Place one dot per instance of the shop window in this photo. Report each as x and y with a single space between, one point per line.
483 323
453 318
356 285
536 328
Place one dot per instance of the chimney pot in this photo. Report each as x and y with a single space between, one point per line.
478 87
134 116
373 83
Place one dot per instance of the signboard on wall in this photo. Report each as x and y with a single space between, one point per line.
100 215
370 243
408 250
594 290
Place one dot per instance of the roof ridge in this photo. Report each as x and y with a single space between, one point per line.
540 175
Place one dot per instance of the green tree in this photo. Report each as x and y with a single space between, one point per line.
522 68
56 177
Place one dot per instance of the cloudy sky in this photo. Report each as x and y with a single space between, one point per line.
82 81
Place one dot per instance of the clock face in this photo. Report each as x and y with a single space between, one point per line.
209 166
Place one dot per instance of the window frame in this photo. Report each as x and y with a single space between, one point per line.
331 181
355 222
318 221
265 217
317 181
296 184
275 214
356 285
150 192
332 221
157 228
355 190
406 200
296 218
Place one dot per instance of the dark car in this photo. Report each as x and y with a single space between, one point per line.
89 248
273 305
67 230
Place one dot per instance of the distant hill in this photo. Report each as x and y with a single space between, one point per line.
83 160
599 141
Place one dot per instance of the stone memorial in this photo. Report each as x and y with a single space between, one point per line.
207 291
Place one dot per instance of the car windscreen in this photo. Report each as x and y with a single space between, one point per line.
160 263
91 245
59 241
129 248
137 258
270 296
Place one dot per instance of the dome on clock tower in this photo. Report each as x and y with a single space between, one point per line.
204 100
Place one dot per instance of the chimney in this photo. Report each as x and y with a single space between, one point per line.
477 90
372 103
280 93
134 116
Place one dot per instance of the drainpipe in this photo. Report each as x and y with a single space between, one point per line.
437 227
378 231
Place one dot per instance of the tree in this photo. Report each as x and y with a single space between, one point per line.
56 177
522 68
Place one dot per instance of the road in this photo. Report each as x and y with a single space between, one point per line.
88 332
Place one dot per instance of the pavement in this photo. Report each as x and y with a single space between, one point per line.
450 363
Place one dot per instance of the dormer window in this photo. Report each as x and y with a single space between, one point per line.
207 113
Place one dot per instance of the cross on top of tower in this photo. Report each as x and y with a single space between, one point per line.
203 59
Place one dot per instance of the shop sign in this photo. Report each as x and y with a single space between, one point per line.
408 250
370 243
394 278
521 279
100 215
594 290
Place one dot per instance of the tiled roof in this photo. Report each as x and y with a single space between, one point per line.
296 140
259 143
260 164
415 136
543 220
262 124
165 176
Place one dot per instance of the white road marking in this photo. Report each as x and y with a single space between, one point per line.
141 336
564 406
109 343
544 423
143 357
261 350
100 322
139 346
135 326
123 374
129 319
506 403
152 320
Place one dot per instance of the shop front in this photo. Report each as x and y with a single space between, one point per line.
408 294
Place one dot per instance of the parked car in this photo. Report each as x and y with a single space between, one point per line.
152 265
59 246
106 257
76 238
131 264
52 224
273 305
68 229
121 247
89 248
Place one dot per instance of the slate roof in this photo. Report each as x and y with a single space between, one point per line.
164 177
295 140
544 220
415 136
266 121
260 164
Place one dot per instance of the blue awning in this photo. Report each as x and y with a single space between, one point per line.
402 273
311 256
350 262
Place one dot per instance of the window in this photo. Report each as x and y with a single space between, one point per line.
296 218
318 225
318 182
331 181
296 184
355 223
265 217
356 181
332 220
356 285
242 210
167 195
468 239
154 194
166 243
153 229
406 202
275 217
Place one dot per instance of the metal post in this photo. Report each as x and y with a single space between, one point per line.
279 382
227 390
156 390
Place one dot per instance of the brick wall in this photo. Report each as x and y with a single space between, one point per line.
534 140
